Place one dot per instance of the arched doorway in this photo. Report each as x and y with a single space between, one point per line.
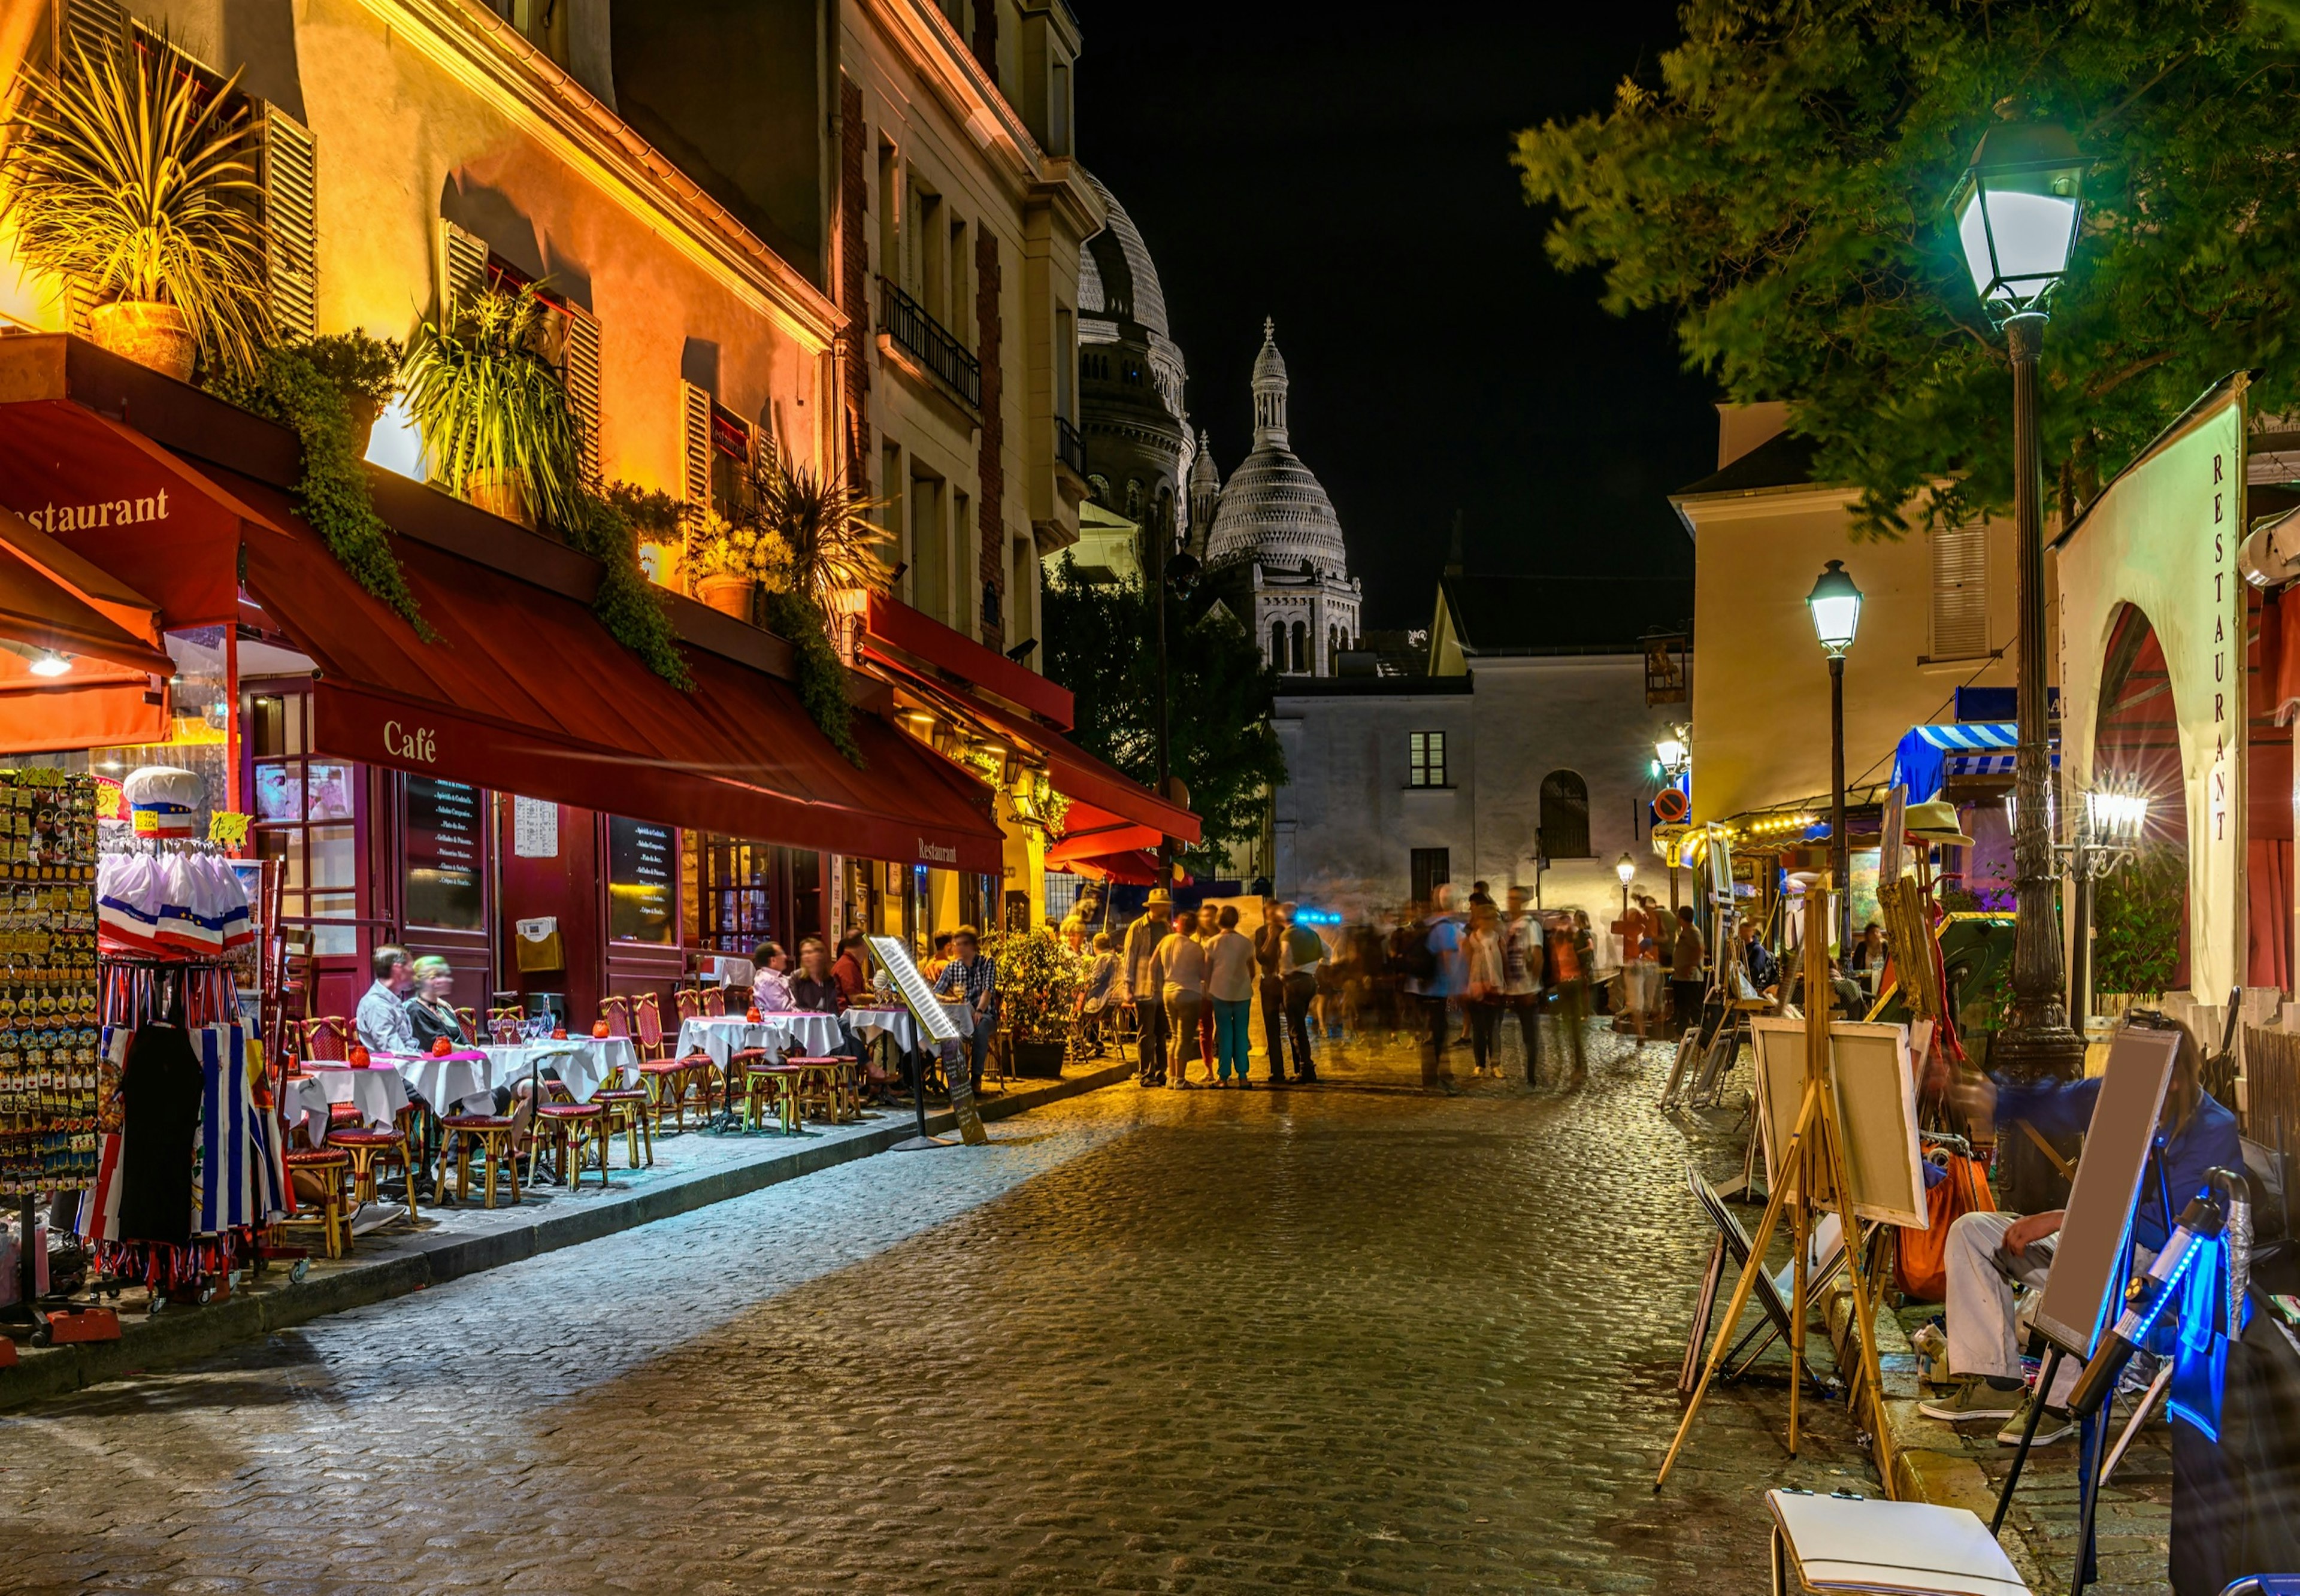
2140 914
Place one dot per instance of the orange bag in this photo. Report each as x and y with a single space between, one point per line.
1921 1269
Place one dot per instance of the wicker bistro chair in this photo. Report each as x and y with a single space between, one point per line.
329 1040
667 1079
502 1025
492 1133
332 1169
576 1129
627 1107
770 1087
822 1087
369 1149
469 1019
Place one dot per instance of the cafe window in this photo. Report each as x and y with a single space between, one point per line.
444 884
306 811
729 892
642 891
1425 754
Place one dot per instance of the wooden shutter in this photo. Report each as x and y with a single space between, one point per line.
580 372
92 28
1960 592
291 220
694 447
462 267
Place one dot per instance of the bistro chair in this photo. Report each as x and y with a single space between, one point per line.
332 1169
667 1079
714 1002
627 1105
771 1088
491 1133
469 1019
575 1127
689 1000
328 1040
371 1148
821 1088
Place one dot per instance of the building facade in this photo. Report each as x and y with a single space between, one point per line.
1522 756
1132 379
1273 548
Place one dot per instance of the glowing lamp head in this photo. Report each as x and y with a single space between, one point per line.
47 662
1836 605
2118 814
2017 210
1626 869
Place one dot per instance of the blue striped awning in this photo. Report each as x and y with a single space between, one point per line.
1930 755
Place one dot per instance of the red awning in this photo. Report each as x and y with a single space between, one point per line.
526 693
114 692
1077 774
1129 869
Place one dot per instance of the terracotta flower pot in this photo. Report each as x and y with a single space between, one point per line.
148 333
499 493
727 594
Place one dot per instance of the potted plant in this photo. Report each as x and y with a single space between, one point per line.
824 522
486 396
1037 993
365 369
121 178
730 561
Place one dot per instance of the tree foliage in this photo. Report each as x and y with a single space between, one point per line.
2137 915
1101 645
1781 187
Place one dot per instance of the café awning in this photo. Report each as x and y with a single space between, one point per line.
525 691
59 614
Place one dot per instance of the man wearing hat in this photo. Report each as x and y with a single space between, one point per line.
1138 986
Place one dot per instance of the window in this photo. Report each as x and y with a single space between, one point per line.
306 818
1065 358
1426 760
963 616
1301 649
929 548
890 212
1564 824
1278 645
1959 592
444 830
1058 119
1431 871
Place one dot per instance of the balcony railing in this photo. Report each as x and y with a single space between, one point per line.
905 320
1069 447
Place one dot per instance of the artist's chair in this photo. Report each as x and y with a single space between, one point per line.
331 1171
491 1134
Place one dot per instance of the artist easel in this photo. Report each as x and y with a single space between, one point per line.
1816 1150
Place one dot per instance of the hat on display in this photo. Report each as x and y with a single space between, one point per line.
163 800
1935 821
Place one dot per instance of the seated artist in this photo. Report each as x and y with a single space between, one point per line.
1990 1253
1846 998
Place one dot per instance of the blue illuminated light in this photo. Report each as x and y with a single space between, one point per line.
1316 917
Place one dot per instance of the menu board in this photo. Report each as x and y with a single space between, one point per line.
642 865
445 890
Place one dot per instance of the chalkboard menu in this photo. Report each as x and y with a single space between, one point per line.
641 865
445 890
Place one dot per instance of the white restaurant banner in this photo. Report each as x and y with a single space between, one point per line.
2162 537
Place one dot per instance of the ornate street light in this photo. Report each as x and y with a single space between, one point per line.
2017 211
2108 828
1836 605
1626 869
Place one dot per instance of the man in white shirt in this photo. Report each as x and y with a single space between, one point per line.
1136 985
1177 973
1304 950
382 1019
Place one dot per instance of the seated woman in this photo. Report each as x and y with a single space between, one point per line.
815 987
771 992
431 1006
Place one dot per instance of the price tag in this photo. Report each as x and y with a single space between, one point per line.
228 826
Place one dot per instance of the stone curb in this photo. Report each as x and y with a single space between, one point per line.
1921 1472
434 1260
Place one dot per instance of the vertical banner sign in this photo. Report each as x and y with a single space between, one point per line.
2161 539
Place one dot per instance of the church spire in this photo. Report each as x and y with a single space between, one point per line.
1270 389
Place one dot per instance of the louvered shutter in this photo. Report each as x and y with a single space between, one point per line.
580 372
694 447
92 28
1960 592
291 222
462 267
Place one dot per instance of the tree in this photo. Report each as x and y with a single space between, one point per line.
1781 187
1100 644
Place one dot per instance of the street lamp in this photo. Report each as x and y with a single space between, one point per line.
1626 869
2017 211
1836 605
2108 829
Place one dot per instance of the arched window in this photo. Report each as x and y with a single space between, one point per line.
1333 653
1301 649
1278 645
1565 816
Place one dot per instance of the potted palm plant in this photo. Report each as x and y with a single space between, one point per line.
120 180
365 368
823 520
487 398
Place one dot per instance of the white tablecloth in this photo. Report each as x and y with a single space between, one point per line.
810 1034
805 1034
862 1024
584 1063
462 1082
378 1092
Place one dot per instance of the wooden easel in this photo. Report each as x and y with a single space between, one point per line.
1816 1151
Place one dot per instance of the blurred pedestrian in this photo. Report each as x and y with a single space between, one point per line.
1138 986
1269 960
1571 953
1178 974
1432 955
1684 986
1305 950
1483 983
1523 970
1229 993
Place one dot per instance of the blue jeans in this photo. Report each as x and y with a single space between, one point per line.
1232 1023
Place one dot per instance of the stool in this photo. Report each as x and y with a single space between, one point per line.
493 1133
335 1213
367 1148
775 1086
626 1107
819 1085
574 1127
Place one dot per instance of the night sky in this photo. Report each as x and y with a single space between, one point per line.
1345 169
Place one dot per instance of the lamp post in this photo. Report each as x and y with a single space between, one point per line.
1170 568
2108 829
1836 606
2017 210
1626 869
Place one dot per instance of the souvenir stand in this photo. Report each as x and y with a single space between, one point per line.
48 1043
189 1166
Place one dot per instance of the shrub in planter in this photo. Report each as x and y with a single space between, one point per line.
496 425
365 371
120 177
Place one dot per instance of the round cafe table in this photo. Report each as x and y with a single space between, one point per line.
584 1064
378 1092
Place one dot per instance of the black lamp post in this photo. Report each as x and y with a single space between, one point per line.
2017 210
1170 569
1836 606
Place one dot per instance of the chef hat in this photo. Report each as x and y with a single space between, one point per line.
163 800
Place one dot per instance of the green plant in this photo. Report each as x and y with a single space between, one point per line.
288 386
629 606
824 522
724 548
487 397
649 510
121 177
359 365
2138 912
791 616
1038 984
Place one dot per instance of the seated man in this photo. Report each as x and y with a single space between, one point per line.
1990 1253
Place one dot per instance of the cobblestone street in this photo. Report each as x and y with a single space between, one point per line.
1347 1336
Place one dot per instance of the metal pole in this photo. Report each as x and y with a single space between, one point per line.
1840 847
2036 1041
2080 945
1158 541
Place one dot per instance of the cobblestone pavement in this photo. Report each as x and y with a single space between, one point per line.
1344 1337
